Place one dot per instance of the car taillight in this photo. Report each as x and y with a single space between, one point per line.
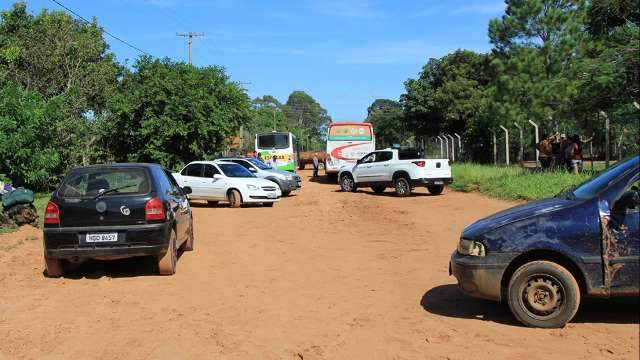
52 214
154 209
420 163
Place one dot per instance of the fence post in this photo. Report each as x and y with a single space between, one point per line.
506 142
459 145
446 145
537 142
521 154
495 149
441 149
606 138
453 148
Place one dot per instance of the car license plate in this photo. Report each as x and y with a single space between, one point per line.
438 182
271 196
104 237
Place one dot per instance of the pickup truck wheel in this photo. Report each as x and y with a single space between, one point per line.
347 184
402 187
235 199
53 267
378 189
435 189
543 294
167 261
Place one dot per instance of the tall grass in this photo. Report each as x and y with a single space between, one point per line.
513 183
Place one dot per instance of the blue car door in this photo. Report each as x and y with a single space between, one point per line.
625 230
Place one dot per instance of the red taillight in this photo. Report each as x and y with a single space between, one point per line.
52 214
154 209
420 163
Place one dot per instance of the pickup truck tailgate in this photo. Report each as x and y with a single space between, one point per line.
436 168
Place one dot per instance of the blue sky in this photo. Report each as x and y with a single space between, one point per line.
343 53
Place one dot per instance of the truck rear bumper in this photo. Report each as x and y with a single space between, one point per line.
431 181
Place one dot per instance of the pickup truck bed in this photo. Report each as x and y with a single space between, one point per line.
402 170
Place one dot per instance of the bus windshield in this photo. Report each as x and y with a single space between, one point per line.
273 141
350 132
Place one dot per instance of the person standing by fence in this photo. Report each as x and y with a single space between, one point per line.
316 164
576 153
545 147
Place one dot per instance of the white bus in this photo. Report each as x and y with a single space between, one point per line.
346 143
283 145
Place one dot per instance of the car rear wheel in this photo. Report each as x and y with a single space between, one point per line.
235 199
378 189
543 294
402 187
167 261
53 267
435 189
347 184
188 245
267 204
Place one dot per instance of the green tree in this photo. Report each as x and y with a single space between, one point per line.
173 113
388 121
29 142
308 118
536 41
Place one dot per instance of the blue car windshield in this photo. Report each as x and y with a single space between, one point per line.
235 171
259 164
595 185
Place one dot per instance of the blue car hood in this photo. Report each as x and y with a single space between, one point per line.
514 214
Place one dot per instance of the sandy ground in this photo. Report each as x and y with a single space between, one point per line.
322 275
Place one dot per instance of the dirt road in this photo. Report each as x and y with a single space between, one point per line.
322 275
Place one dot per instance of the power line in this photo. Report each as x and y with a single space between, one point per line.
103 29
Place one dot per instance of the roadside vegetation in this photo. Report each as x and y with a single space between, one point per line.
511 182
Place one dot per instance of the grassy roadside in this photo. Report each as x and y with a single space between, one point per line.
40 202
512 183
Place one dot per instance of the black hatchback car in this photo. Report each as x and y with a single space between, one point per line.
117 211
542 257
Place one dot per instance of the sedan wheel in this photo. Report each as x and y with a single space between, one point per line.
167 261
543 294
235 199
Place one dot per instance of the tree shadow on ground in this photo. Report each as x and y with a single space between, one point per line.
450 301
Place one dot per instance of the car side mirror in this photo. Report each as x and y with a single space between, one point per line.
253 170
187 190
218 176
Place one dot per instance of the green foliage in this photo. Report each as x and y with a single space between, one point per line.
28 147
545 66
387 118
172 113
513 183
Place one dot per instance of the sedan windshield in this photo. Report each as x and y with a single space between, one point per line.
259 164
235 171
594 186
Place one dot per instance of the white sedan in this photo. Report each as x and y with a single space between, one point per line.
226 181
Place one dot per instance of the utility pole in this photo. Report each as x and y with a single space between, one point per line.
190 35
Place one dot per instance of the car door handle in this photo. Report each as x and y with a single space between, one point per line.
387 165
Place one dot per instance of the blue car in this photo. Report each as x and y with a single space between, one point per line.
543 256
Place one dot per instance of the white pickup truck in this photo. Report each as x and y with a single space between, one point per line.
402 169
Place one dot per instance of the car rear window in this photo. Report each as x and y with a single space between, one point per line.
409 155
91 182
